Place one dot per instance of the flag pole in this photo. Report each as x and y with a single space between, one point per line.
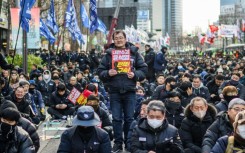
113 25
87 41
17 37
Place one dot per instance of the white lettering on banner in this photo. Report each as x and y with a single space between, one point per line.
74 94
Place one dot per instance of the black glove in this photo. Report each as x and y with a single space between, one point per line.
168 147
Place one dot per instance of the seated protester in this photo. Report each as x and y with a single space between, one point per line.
199 115
160 78
234 81
222 125
106 123
46 87
81 80
84 133
162 91
12 137
6 89
174 110
154 134
143 113
21 103
57 80
60 106
91 87
139 98
228 93
100 87
36 96
185 89
213 88
235 142
33 111
186 77
24 123
199 89
74 84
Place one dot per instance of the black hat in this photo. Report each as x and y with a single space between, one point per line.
10 114
7 104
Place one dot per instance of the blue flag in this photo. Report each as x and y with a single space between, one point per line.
93 16
84 16
25 12
101 26
51 20
44 31
71 22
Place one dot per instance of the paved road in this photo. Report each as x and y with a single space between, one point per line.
50 145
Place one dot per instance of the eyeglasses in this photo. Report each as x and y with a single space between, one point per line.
238 109
119 38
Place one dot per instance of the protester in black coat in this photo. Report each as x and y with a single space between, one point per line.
162 91
21 103
158 136
213 88
185 89
13 138
24 123
60 106
149 60
222 125
74 84
94 61
85 136
195 124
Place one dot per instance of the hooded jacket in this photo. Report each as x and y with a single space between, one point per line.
120 82
46 87
193 129
144 138
220 127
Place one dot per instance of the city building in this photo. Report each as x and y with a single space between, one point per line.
3 24
143 8
167 19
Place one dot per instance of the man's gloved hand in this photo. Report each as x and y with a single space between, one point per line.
168 146
42 111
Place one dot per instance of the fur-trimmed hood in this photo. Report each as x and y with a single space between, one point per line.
211 111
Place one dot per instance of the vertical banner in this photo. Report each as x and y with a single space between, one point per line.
15 18
33 36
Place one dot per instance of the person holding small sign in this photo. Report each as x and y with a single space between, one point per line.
120 69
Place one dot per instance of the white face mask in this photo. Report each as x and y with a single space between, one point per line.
46 76
200 114
154 123
241 130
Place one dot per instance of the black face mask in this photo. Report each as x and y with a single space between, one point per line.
173 86
229 98
85 130
6 130
172 105
31 90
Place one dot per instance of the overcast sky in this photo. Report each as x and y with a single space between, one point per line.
199 13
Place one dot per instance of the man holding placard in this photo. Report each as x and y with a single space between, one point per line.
119 69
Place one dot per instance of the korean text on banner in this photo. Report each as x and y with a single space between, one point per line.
121 61
73 96
33 36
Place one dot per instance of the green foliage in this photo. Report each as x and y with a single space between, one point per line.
31 59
